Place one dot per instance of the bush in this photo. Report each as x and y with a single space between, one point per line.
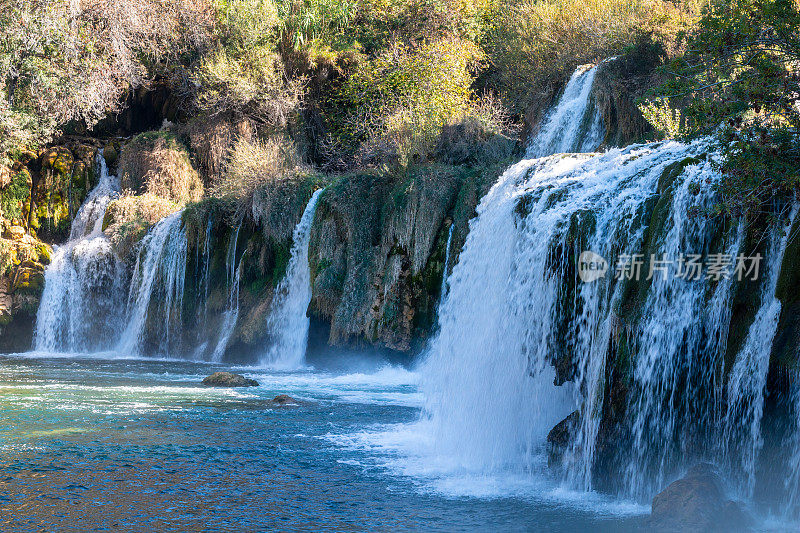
536 44
158 163
128 219
397 103
253 164
72 61
738 80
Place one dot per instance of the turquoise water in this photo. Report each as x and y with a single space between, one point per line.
93 444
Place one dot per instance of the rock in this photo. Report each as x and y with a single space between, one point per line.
17 233
284 399
227 379
560 437
697 502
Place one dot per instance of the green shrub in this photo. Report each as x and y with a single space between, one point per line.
738 80
397 103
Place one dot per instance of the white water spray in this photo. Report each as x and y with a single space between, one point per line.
287 324
443 290
747 380
574 125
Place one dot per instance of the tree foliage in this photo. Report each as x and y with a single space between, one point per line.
739 79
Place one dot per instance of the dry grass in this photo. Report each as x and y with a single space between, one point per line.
129 218
253 164
158 164
537 43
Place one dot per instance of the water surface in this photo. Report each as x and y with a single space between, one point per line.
91 443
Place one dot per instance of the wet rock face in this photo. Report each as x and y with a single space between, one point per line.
228 379
697 502
284 399
22 263
377 251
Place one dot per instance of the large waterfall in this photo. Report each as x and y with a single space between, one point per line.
287 324
527 336
489 387
80 306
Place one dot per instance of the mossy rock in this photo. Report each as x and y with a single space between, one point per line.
59 159
45 253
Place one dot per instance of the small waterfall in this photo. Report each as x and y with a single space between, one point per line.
80 306
747 380
231 314
574 125
89 219
287 324
206 277
443 290
155 298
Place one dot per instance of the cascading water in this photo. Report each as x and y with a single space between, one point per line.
231 314
155 297
493 326
747 380
287 324
574 125
516 310
680 342
509 311
79 309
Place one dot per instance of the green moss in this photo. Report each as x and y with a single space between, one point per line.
282 254
15 195
44 253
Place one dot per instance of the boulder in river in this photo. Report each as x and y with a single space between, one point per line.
284 399
228 379
697 502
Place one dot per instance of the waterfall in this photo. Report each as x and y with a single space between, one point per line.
79 308
791 505
231 314
574 125
510 310
206 277
486 377
443 290
678 348
287 324
155 297
520 318
747 379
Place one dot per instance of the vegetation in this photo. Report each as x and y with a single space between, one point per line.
158 163
275 88
738 79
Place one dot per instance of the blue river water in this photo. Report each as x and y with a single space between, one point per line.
91 443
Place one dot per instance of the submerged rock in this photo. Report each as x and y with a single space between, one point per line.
228 379
697 502
284 399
